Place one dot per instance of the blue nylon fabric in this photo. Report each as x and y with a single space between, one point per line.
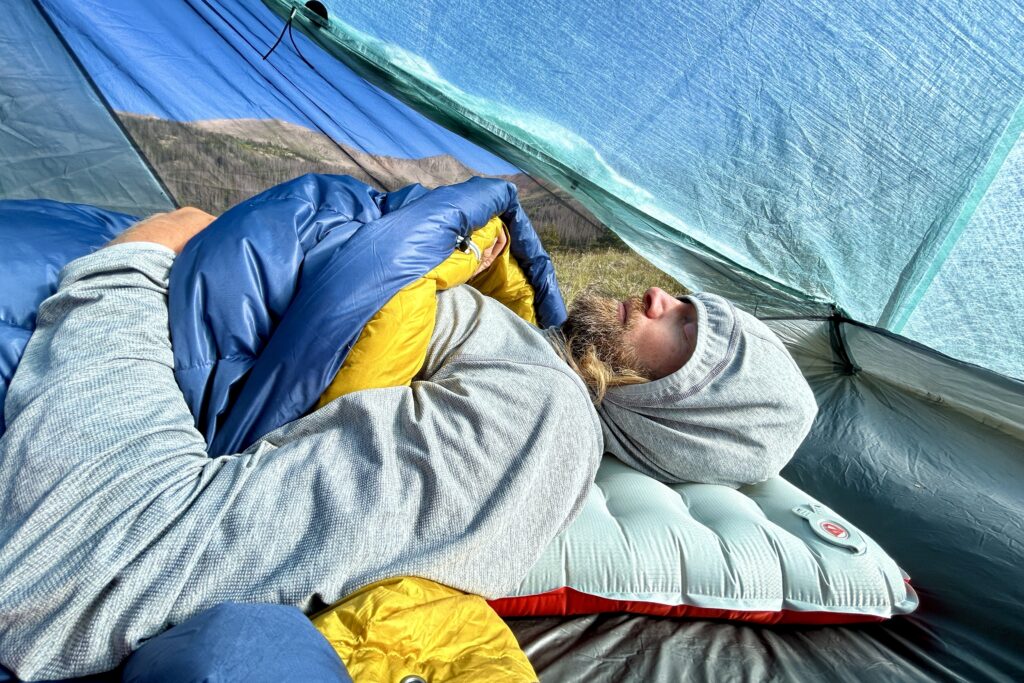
267 301
227 643
193 60
238 642
38 237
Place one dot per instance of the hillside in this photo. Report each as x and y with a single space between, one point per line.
216 164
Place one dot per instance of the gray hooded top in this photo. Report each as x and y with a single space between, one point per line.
733 415
114 522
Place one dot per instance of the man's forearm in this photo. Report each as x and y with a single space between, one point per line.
100 449
98 370
172 230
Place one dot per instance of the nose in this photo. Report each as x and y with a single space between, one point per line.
656 302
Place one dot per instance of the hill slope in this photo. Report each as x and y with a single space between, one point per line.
215 164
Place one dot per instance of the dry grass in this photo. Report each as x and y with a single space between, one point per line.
614 270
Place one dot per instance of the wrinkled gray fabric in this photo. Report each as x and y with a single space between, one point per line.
733 415
114 523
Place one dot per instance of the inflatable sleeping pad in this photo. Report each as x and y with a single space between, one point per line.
766 553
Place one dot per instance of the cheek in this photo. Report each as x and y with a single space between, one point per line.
676 359
660 351
677 352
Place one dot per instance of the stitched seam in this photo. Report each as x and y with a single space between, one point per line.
211 363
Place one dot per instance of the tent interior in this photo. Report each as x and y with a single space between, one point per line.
852 173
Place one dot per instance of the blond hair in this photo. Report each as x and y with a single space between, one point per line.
598 375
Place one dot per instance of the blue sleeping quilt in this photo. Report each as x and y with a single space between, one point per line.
266 302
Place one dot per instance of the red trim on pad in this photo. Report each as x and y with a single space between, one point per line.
567 601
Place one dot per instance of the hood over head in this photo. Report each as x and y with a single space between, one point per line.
733 415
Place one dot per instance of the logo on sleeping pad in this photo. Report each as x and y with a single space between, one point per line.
835 529
828 526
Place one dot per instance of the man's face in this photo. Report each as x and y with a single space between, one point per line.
653 335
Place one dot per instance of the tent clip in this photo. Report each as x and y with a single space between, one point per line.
317 15
287 25
843 361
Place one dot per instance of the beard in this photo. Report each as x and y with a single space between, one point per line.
593 326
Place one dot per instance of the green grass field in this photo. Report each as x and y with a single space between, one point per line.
614 270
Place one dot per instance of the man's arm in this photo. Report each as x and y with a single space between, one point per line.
172 230
98 370
116 523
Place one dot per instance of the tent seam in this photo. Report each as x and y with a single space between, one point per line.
106 105
896 314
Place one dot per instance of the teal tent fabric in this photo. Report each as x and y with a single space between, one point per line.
973 308
58 139
781 153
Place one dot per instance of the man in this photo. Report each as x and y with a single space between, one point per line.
117 524
691 389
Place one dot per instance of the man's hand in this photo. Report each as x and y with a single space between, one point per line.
172 230
492 252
